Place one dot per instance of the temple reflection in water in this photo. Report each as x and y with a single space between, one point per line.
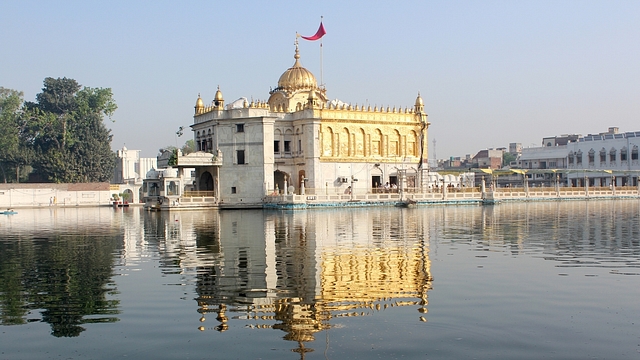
300 271
297 271
312 276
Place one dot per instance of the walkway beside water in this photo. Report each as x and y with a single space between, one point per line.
474 196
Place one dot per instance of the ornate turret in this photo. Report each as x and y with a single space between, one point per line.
199 105
419 106
218 101
312 100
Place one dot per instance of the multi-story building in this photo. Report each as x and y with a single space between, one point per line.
299 141
130 167
129 171
599 159
488 159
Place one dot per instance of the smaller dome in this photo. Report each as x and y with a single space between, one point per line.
199 102
170 172
419 101
152 174
218 101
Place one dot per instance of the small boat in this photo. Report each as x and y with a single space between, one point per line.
406 203
8 212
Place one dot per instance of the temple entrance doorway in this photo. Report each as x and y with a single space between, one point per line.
206 182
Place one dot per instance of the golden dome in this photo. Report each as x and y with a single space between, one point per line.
199 105
218 96
419 101
297 77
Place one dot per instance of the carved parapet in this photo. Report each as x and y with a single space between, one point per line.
196 159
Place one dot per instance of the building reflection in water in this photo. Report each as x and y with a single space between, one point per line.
297 271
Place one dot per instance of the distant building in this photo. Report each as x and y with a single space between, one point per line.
560 140
488 159
130 167
515 148
129 172
601 159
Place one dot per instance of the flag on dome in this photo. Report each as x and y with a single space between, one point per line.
320 33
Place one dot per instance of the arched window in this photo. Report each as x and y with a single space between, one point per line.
592 157
571 156
376 143
603 156
612 155
344 143
172 188
360 142
412 142
623 154
327 142
579 157
634 153
288 137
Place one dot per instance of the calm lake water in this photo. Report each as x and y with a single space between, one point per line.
557 280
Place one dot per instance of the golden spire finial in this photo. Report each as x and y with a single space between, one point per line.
297 55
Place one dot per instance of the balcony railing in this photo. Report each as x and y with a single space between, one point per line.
198 194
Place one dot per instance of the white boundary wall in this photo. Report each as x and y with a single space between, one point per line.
61 195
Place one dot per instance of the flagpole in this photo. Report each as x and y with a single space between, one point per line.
321 68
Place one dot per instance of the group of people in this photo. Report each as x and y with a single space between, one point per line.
388 187
450 188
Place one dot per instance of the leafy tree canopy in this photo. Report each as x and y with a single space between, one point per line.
62 135
507 158
10 112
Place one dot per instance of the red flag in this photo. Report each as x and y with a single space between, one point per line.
320 33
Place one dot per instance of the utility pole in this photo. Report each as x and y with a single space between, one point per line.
434 152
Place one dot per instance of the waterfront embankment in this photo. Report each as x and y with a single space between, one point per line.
62 195
468 196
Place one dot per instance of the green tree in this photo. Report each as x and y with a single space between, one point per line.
189 147
507 158
10 105
66 133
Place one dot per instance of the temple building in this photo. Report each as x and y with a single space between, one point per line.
299 142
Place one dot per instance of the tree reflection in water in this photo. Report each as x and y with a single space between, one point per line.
66 278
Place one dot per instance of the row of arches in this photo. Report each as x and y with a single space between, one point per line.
360 143
611 157
204 140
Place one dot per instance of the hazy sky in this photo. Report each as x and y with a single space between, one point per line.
490 72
